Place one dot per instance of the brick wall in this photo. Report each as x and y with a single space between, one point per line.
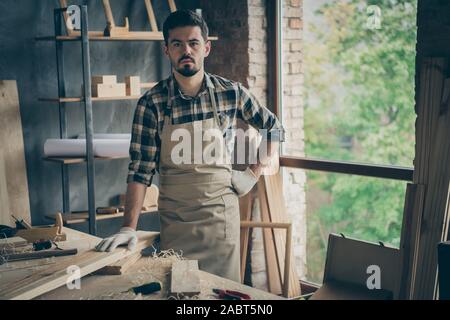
294 180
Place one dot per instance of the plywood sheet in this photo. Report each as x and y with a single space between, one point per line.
15 170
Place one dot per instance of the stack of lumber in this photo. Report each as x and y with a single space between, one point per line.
426 223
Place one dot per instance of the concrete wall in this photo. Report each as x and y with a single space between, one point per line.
33 65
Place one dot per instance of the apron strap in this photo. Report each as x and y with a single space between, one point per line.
214 106
168 111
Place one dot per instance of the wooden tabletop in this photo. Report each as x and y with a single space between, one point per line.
106 287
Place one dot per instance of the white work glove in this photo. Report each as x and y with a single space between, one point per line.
243 181
125 236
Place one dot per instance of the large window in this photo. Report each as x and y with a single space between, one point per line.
347 71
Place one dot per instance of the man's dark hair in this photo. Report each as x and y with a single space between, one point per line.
184 18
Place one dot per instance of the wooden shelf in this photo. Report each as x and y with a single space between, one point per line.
132 36
80 217
80 99
75 160
144 85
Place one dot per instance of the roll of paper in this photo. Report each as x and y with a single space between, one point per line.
65 148
111 147
124 136
77 147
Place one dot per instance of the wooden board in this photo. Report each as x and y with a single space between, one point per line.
184 280
104 79
13 151
121 266
148 269
151 15
412 214
278 213
133 84
12 242
272 266
172 5
245 209
54 276
4 199
106 90
432 170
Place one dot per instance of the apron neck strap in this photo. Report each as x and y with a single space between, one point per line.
212 98
171 96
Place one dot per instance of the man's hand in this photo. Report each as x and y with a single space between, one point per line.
243 181
125 236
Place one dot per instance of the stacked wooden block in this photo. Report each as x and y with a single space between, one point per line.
107 86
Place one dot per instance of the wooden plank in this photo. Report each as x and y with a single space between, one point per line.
133 85
104 79
83 216
273 271
245 209
12 242
412 214
5 219
151 15
278 213
184 280
13 150
108 13
109 90
172 5
432 170
121 266
55 276
79 160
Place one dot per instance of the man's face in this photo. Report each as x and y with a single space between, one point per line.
187 50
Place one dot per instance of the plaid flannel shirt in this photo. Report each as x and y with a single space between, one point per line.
233 101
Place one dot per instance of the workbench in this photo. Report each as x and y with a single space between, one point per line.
106 287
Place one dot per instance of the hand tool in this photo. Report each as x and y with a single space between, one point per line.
42 245
36 255
145 289
21 224
231 294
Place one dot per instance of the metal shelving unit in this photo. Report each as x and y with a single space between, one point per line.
86 100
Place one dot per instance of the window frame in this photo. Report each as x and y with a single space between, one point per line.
275 98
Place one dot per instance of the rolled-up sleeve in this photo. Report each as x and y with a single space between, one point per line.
251 111
145 145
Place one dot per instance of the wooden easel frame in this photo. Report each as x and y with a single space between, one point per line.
277 225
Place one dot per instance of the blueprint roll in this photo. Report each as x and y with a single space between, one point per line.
77 147
118 136
65 148
111 147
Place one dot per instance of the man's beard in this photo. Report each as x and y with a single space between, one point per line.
187 71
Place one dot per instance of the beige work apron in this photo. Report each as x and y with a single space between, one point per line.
199 211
